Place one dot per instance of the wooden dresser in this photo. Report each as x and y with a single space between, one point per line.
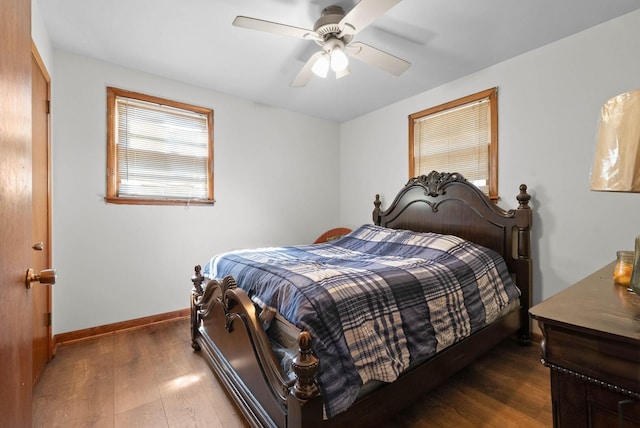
591 343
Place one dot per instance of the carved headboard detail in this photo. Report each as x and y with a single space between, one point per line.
448 203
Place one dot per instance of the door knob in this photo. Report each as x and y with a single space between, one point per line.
38 246
47 276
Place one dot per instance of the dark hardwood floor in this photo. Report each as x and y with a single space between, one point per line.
150 377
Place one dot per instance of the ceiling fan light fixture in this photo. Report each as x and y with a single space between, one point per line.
339 60
334 32
321 67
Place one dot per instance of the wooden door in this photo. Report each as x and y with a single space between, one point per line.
15 213
41 218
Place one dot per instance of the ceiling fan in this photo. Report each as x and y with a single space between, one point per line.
334 32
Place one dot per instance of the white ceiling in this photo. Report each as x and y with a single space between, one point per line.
193 41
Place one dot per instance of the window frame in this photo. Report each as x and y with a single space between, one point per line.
112 161
492 95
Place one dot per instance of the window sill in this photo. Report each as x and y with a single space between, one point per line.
145 201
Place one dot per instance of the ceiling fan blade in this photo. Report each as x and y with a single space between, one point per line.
377 58
275 28
305 74
363 14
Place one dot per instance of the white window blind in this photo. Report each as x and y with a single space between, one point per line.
162 152
455 140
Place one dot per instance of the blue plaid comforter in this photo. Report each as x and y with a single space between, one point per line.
376 300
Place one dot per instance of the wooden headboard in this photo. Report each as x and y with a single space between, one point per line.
447 203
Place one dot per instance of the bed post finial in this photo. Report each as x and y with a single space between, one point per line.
197 279
376 210
305 366
523 198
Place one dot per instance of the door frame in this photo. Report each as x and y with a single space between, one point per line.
43 69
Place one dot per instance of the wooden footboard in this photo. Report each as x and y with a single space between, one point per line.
226 328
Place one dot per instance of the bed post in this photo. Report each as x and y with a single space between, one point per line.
304 406
305 366
196 293
523 268
377 210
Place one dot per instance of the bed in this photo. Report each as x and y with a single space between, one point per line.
283 370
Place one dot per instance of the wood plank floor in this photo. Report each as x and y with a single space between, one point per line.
150 377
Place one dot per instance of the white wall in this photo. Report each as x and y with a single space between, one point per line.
40 37
276 183
549 100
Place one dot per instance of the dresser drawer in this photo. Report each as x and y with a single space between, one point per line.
610 361
610 409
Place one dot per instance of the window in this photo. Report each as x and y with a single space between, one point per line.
458 136
159 152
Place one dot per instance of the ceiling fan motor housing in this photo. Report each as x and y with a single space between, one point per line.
327 25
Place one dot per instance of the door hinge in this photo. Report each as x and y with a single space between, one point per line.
48 106
48 319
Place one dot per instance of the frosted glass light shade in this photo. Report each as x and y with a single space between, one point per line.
339 60
321 67
616 164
